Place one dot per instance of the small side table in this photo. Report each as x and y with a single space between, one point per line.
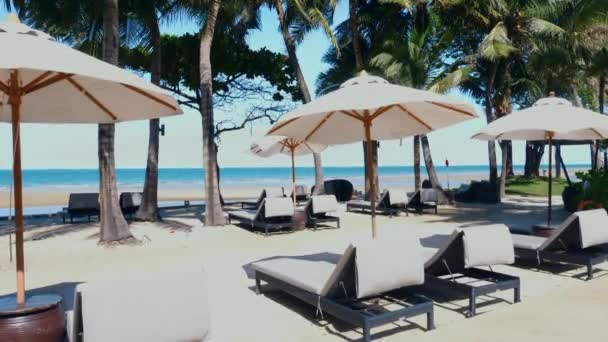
543 230
41 319
299 219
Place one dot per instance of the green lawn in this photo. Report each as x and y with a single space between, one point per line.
536 186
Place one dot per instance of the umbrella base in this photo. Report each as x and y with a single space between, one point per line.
40 323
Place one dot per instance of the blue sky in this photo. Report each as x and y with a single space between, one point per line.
75 146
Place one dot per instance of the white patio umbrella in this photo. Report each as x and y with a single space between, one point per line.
367 108
271 145
43 81
551 118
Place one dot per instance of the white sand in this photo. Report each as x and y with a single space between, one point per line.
554 307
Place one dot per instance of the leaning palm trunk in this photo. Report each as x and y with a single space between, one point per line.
504 149
148 210
490 117
430 170
113 226
295 65
214 215
417 179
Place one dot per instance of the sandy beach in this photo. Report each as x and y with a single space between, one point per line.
58 254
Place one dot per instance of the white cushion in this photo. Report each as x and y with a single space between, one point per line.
429 195
324 204
277 207
153 307
385 264
397 196
528 241
274 192
487 246
593 227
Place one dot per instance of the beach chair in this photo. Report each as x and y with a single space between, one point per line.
318 207
130 202
152 307
267 192
272 214
582 239
302 193
453 264
82 205
358 287
383 205
423 199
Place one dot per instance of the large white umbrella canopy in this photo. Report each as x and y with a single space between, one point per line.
44 81
548 116
367 108
548 119
268 146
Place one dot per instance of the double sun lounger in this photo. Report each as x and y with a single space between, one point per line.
276 213
365 284
392 202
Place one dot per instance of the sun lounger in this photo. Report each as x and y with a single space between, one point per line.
318 207
423 199
153 307
268 192
582 239
357 287
453 264
82 205
272 214
130 202
383 205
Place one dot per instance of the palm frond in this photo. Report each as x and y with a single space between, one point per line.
496 44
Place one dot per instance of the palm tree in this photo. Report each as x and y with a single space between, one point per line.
306 17
114 227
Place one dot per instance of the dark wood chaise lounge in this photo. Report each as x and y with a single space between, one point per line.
582 239
268 192
317 210
383 206
367 286
82 205
423 199
273 214
454 267
130 202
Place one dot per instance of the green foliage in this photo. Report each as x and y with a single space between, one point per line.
593 187
534 186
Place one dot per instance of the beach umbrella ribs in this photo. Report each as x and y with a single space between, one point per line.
44 81
367 108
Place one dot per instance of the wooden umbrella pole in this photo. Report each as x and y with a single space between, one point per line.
15 102
550 137
370 172
293 174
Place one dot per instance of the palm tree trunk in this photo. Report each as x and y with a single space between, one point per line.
417 180
148 210
534 156
295 65
359 65
504 171
214 215
490 117
592 147
602 101
558 157
113 226
428 162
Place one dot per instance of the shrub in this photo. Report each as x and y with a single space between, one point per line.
592 191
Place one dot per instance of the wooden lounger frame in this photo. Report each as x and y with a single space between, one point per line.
382 206
588 257
260 221
443 272
315 219
354 311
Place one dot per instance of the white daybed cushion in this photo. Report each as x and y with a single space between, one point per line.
244 214
324 204
429 195
274 192
396 196
313 274
152 307
487 246
527 241
386 264
593 227
279 206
